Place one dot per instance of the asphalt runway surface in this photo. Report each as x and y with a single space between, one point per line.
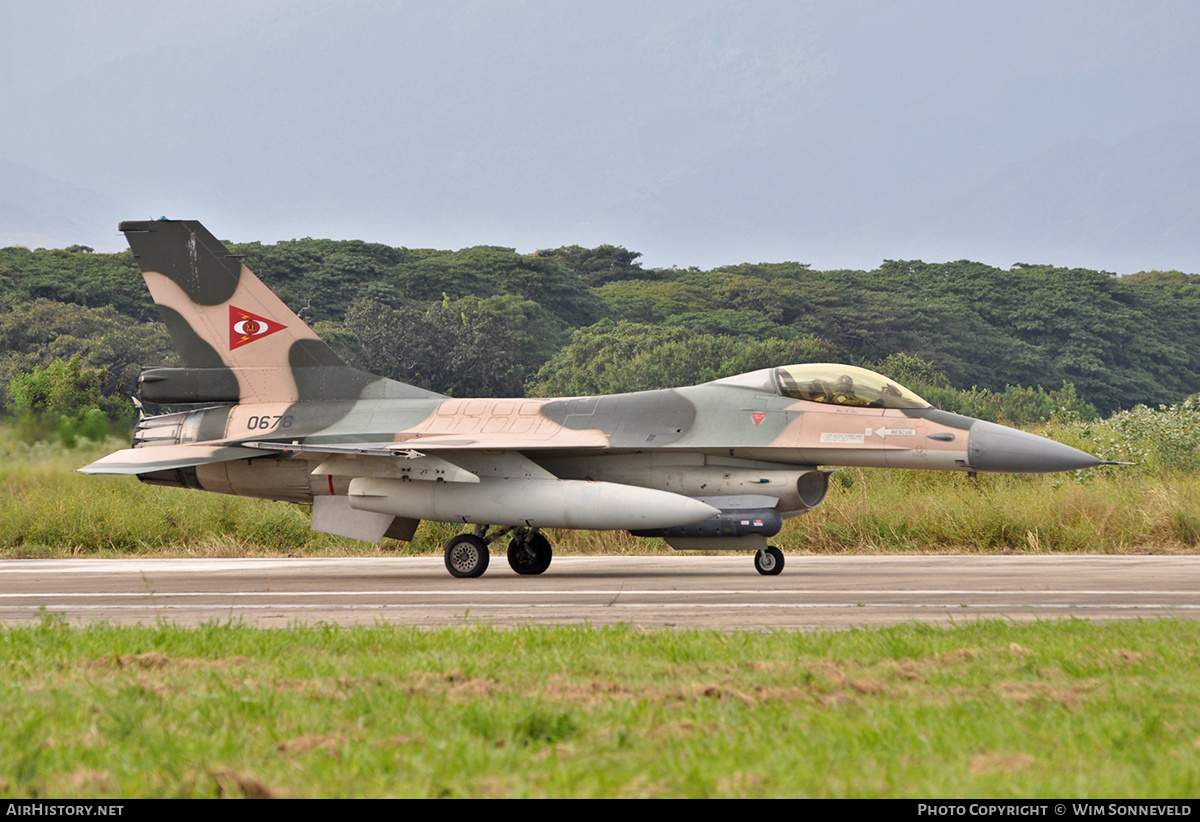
681 591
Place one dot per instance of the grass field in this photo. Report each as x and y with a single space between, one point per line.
1064 709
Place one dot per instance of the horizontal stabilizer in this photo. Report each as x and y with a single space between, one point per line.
165 458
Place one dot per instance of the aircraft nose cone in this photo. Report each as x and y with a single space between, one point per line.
992 447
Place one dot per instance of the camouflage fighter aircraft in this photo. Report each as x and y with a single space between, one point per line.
713 466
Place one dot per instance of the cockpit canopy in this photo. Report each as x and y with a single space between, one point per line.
832 384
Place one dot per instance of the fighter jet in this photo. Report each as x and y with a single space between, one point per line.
707 467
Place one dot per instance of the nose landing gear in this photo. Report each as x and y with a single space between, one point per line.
769 561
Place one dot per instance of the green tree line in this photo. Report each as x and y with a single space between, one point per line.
1020 344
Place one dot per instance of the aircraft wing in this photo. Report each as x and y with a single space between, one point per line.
165 458
459 459
371 449
412 448
570 440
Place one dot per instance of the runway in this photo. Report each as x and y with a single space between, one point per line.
682 591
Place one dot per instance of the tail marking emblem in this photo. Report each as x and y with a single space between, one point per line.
245 327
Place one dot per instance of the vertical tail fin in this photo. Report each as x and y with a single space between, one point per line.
238 341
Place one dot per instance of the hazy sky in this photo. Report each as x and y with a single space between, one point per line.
699 133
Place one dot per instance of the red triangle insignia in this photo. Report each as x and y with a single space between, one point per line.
245 327
758 417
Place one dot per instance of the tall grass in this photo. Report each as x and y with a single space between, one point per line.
48 509
1114 510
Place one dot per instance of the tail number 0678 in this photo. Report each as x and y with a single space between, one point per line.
266 422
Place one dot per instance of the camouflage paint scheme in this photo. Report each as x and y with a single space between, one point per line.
718 465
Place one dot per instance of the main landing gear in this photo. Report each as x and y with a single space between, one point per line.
769 561
467 556
529 552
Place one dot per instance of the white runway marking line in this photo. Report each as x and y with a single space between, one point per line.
611 592
633 606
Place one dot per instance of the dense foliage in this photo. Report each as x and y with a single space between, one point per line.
1166 437
489 321
66 397
39 332
466 347
1119 341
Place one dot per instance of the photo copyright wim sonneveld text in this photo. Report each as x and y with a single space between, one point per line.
1058 809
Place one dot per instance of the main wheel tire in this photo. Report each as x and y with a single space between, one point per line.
769 561
530 556
466 556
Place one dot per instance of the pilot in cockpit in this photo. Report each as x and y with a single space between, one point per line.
843 390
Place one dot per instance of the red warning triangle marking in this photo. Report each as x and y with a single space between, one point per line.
246 327
758 416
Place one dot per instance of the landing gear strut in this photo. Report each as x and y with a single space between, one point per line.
769 561
529 553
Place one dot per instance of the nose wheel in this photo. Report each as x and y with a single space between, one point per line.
769 561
